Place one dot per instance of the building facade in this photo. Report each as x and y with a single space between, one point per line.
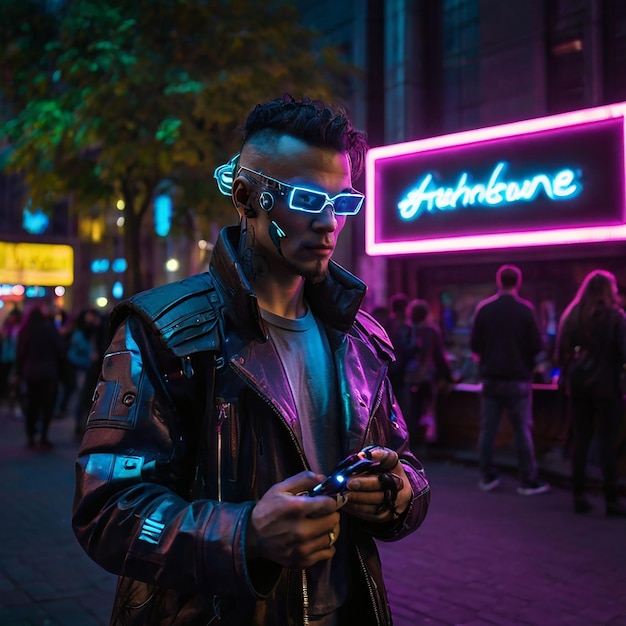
435 68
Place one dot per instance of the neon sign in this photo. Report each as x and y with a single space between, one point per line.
42 264
552 180
496 192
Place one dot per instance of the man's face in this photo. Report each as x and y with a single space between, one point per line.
310 238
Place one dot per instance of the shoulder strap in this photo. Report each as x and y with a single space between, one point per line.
183 314
179 321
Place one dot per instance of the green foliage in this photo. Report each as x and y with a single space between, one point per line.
102 99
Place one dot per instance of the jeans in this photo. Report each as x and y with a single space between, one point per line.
602 416
40 402
516 398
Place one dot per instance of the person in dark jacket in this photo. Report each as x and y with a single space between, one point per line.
38 364
506 338
593 327
84 355
9 332
427 371
225 398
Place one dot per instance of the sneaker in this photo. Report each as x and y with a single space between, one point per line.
489 483
533 488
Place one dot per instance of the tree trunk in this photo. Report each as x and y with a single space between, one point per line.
132 249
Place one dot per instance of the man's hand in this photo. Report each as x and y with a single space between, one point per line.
370 496
294 530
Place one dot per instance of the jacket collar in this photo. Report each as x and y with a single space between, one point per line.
335 301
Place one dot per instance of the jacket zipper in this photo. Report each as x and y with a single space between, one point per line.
221 416
370 589
305 600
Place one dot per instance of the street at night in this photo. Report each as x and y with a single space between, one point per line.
480 558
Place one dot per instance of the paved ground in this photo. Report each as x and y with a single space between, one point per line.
479 558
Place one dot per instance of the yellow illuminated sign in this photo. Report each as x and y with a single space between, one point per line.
42 264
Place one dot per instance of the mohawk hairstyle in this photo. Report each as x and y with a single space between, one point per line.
312 121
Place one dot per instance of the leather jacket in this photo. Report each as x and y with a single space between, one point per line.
604 339
193 420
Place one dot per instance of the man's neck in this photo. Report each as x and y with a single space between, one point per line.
285 299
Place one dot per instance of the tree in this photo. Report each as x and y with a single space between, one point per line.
112 100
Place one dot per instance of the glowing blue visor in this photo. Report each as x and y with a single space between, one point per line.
298 198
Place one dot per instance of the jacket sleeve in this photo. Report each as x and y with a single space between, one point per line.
396 438
388 428
131 511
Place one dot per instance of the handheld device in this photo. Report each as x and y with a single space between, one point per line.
358 463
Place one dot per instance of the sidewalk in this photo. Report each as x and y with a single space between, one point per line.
502 559
45 578
479 559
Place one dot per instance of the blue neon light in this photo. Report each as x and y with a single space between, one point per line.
117 291
162 215
99 266
34 222
119 265
426 196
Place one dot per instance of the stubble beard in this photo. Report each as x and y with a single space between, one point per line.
314 274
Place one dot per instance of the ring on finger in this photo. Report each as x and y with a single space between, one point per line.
331 538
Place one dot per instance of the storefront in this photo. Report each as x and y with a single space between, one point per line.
547 194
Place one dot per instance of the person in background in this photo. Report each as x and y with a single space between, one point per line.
447 317
38 364
398 330
225 398
100 340
593 325
506 339
427 370
381 315
83 356
64 324
8 354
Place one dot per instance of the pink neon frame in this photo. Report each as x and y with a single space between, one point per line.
515 239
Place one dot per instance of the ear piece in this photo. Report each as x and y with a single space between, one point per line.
266 201
248 211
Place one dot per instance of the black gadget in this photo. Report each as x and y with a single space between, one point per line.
357 463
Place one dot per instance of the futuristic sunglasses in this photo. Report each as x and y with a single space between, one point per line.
298 198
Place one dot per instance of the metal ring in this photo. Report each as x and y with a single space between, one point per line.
332 538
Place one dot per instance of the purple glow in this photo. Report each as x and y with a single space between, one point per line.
442 198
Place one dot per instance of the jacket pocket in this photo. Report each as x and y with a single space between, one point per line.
113 402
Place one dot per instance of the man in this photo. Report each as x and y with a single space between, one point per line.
506 338
226 397
428 371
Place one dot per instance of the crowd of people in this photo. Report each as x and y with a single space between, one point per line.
589 350
422 368
49 363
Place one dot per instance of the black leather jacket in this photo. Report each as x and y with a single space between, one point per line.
167 477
